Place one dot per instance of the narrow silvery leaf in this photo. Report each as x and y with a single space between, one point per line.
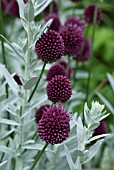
98 137
111 80
80 130
78 164
106 102
103 117
43 98
18 165
29 142
11 82
1 164
30 83
9 122
2 97
94 126
93 150
12 112
12 47
86 114
26 168
10 101
41 8
7 150
21 8
69 158
35 147
6 134
29 11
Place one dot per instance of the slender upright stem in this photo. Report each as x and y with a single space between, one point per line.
68 65
40 76
93 35
81 53
2 45
26 77
38 156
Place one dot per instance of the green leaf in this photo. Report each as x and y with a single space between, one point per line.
69 158
30 83
106 102
29 11
9 122
9 79
111 80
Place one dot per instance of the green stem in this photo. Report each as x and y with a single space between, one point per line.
68 65
2 45
38 156
81 53
75 71
93 35
40 76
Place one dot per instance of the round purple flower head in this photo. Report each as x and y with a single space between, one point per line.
55 70
101 129
55 23
50 47
13 8
75 21
4 5
41 111
89 14
59 89
54 125
53 6
64 64
86 51
17 79
73 39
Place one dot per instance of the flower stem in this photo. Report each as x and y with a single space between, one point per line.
93 35
38 156
68 65
40 76
2 44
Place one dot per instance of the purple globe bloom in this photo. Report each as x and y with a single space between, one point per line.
50 47
55 23
4 5
54 125
89 14
75 21
64 64
73 39
40 112
53 6
59 89
56 70
86 51
101 129
17 79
